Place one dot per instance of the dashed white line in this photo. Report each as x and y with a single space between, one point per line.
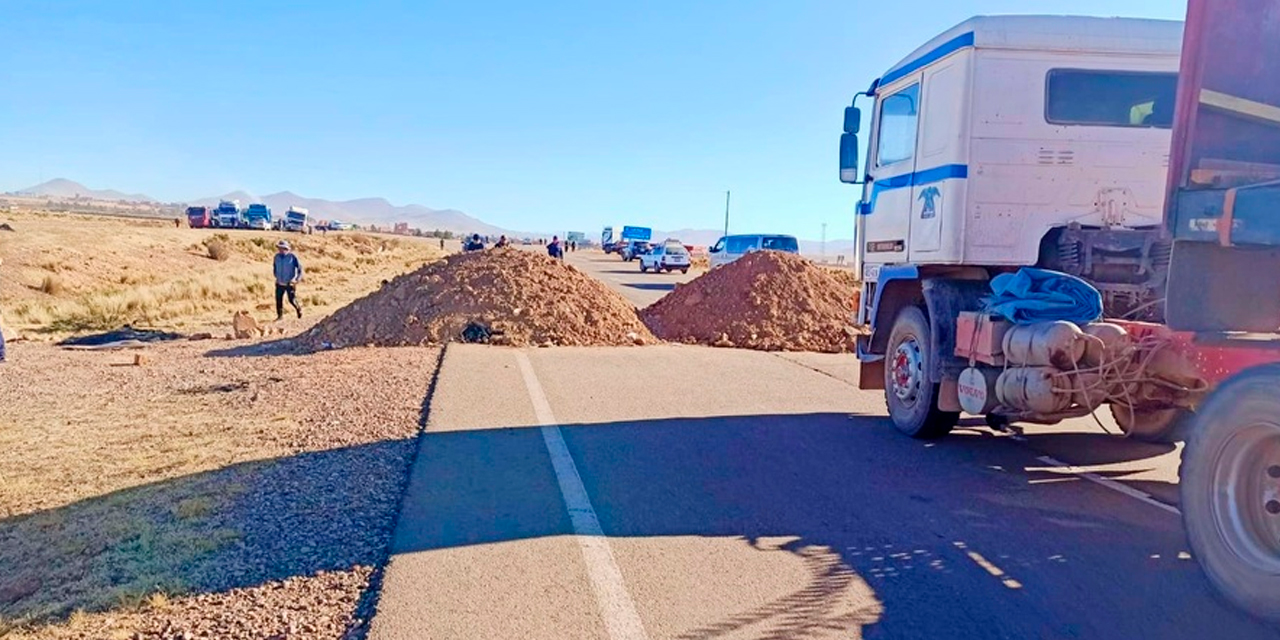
616 607
1110 484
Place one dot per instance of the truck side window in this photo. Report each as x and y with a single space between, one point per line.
899 115
1110 98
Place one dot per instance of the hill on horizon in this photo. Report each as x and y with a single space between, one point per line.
63 188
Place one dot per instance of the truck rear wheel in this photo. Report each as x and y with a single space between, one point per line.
1160 426
1230 485
912 398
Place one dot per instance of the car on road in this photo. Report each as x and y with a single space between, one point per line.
730 248
668 256
633 249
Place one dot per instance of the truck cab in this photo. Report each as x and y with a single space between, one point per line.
1006 142
228 215
198 217
258 216
295 219
1012 141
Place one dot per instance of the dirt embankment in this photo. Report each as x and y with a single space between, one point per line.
498 296
766 300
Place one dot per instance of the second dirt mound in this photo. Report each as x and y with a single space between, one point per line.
765 300
499 296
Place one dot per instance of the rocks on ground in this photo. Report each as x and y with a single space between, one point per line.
499 296
766 300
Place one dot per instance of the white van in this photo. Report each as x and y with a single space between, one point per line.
730 248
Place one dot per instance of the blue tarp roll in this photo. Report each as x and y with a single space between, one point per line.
1037 295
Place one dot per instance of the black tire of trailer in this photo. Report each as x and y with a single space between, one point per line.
919 419
1212 520
1158 426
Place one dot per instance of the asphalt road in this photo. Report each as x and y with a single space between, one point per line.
684 492
642 289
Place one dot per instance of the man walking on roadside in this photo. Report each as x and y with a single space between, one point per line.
288 272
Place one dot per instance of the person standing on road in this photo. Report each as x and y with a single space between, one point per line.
288 272
554 249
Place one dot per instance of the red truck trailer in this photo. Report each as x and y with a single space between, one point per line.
1223 297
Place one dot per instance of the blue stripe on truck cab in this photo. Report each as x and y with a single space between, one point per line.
927 176
943 50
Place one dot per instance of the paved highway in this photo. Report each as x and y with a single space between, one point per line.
642 289
683 492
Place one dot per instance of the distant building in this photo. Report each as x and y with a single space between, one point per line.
402 228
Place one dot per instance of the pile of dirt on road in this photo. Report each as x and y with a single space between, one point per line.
498 296
766 300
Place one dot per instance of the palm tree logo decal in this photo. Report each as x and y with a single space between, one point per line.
931 197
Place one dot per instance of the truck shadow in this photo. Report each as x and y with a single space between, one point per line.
877 531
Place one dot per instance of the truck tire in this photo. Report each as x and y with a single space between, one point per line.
1230 487
912 399
643 269
1159 426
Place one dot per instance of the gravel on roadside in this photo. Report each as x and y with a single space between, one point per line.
201 497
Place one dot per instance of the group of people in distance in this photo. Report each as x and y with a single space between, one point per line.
555 248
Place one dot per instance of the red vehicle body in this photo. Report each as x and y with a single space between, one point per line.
198 217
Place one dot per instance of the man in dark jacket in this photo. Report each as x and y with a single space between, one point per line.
288 272
554 249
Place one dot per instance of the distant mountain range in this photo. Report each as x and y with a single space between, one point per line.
67 189
379 211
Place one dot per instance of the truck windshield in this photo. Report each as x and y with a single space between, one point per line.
1110 98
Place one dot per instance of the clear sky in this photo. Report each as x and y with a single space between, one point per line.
528 115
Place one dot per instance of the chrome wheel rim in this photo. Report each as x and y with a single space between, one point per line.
906 371
1246 495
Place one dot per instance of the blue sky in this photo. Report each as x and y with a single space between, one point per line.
551 115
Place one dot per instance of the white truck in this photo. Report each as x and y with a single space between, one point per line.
1004 142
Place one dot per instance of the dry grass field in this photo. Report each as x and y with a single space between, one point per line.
68 273
211 491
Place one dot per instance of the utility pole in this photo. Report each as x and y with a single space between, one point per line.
726 213
824 243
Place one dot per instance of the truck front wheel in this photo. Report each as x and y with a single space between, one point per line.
1230 489
912 398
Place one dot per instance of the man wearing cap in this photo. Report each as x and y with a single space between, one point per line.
288 272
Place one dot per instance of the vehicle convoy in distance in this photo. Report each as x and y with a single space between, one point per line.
1118 151
668 256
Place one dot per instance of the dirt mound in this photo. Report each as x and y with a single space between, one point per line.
499 296
765 300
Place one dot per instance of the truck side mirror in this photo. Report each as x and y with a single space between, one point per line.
849 158
852 120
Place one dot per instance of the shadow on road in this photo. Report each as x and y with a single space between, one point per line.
895 538
651 286
899 539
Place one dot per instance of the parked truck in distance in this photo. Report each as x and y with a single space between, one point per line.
228 215
199 217
295 219
258 216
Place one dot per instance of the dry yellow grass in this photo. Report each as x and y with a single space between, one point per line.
67 273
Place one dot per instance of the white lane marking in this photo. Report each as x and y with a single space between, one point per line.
989 566
1110 484
616 606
